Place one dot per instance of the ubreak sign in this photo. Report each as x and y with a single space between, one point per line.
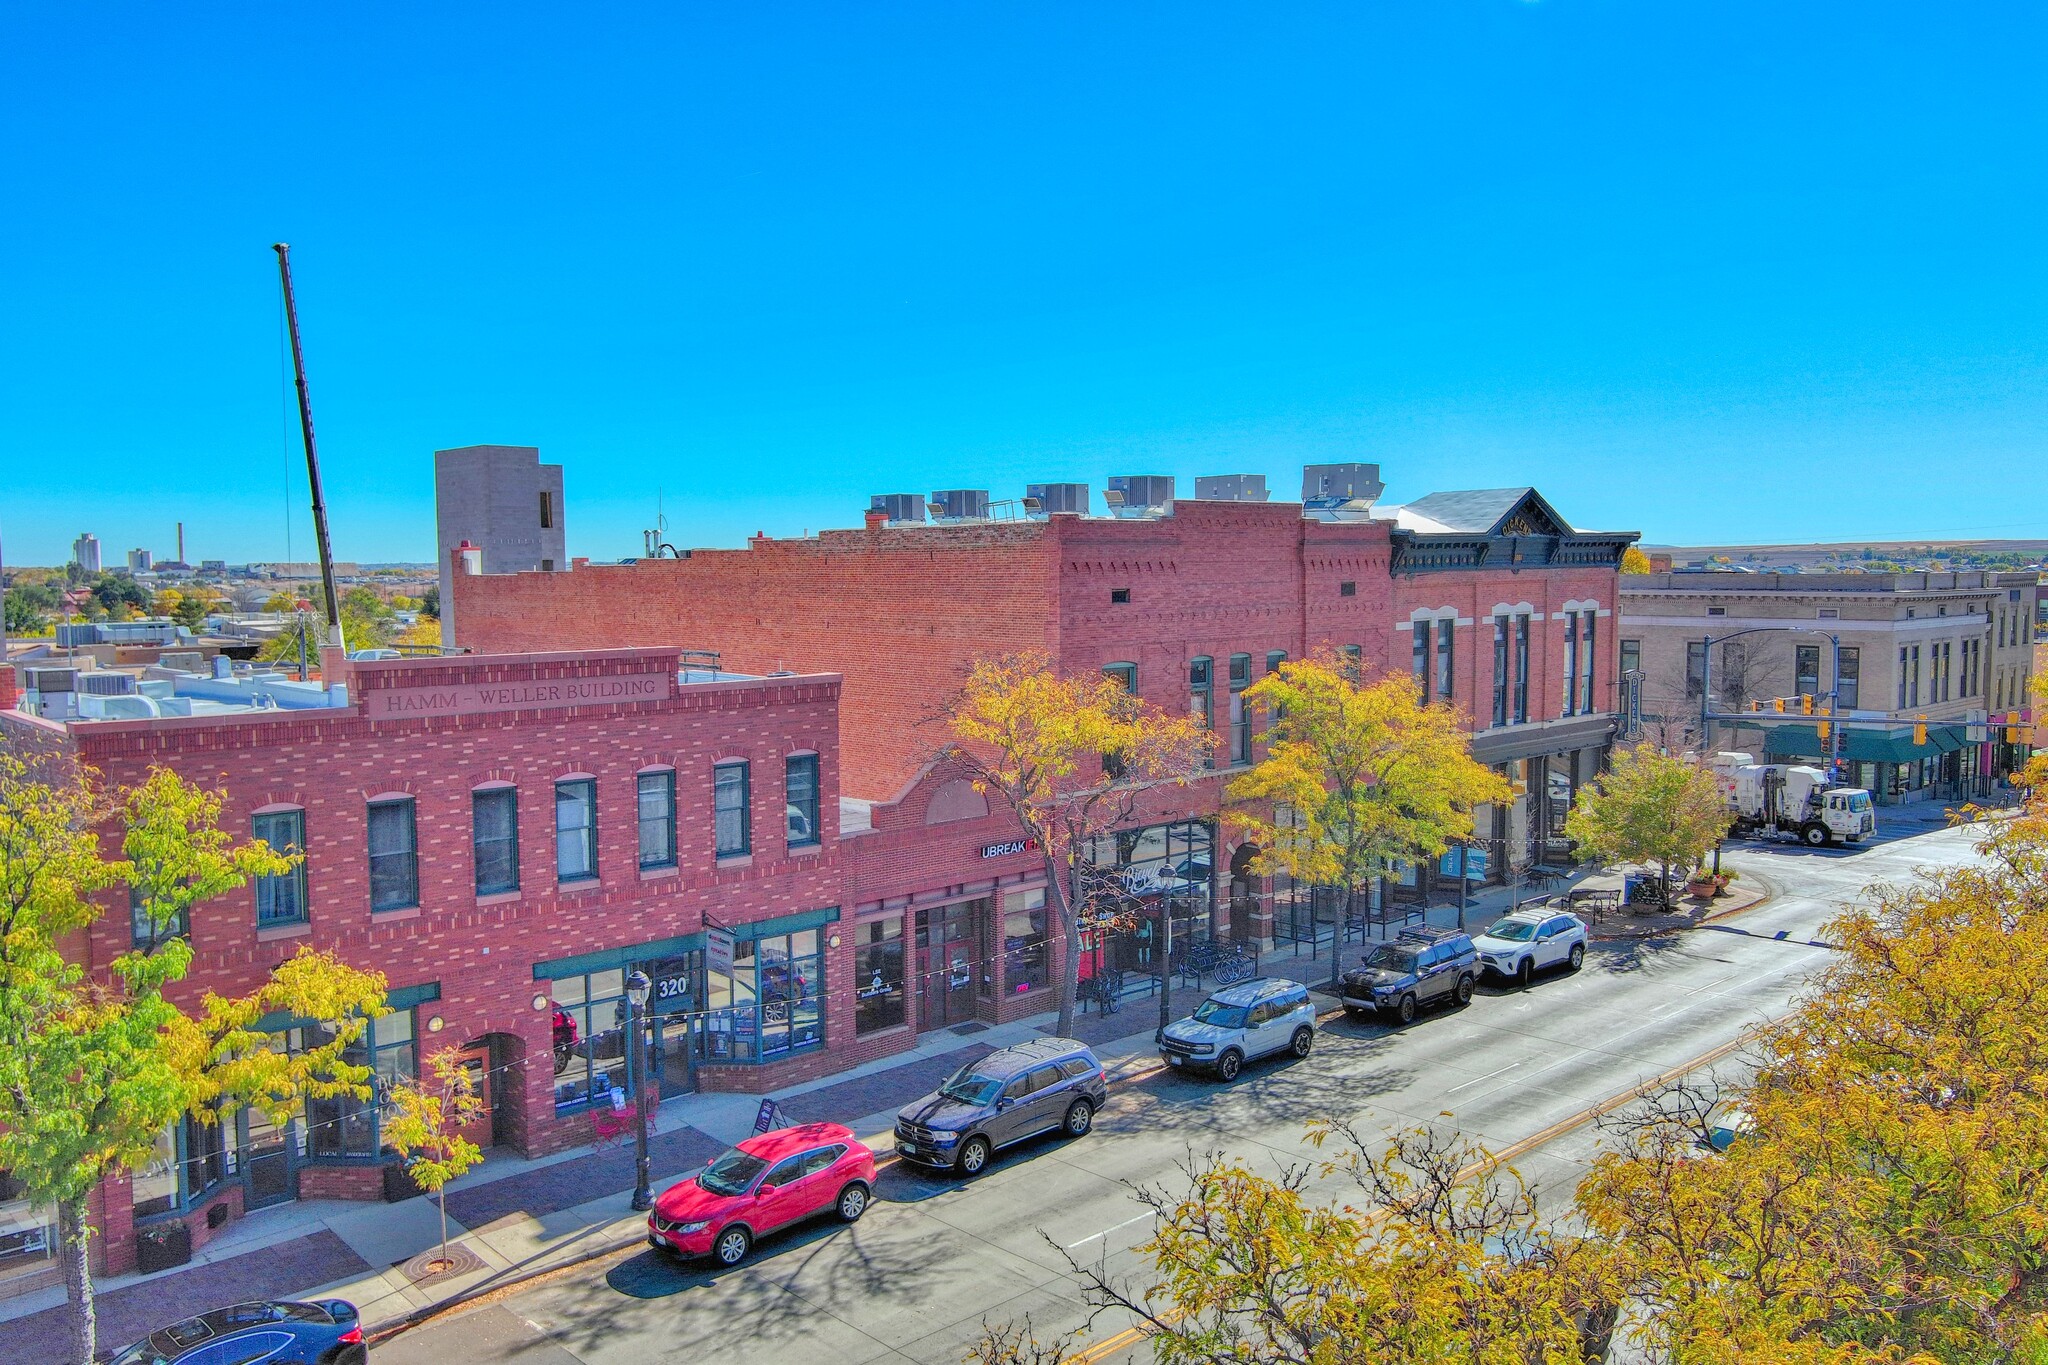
469 699
1009 846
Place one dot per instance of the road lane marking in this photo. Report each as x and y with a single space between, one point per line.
1106 1231
1477 1079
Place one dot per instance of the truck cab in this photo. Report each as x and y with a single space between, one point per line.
1848 813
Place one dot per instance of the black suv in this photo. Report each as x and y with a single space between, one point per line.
1037 1087
1421 967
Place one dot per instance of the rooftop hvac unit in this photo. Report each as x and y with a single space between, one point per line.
50 679
72 634
1135 495
1044 499
1231 488
106 683
901 508
1328 485
960 504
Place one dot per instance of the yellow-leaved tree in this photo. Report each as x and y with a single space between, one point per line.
1633 561
1356 777
1889 1200
424 1123
1649 808
95 1064
1070 758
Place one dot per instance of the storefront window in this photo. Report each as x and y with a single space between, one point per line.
878 979
1026 959
343 1125
773 1004
589 1037
1144 873
27 1233
153 1186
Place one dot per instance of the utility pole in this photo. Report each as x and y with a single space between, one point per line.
291 312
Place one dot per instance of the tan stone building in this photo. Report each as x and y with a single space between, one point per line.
1952 650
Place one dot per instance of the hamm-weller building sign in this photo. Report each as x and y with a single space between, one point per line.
469 699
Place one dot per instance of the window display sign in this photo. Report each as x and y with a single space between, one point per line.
718 951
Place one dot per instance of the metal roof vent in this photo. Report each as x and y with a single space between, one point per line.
902 509
1044 499
1139 495
1328 486
1231 488
959 504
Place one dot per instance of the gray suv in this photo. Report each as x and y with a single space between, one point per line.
1421 967
1241 1022
1043 1086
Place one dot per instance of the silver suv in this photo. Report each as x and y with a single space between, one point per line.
1239 1023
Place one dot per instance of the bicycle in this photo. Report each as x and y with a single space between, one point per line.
1237 966
1107 989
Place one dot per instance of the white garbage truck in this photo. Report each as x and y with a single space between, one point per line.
1793 799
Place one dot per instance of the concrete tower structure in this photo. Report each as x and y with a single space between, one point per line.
505 502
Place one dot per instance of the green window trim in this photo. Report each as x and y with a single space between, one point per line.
583 964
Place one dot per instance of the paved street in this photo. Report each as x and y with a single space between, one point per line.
916 1278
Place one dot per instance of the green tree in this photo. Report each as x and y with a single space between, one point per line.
95 1064
24 613
424 1124
1356 778
1649 807
430 602
1070 758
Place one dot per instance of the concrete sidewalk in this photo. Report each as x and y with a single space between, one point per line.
513 1218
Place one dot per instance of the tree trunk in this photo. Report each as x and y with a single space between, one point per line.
74 1234
1664 880
1070 934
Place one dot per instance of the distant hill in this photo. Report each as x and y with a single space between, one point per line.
1910 554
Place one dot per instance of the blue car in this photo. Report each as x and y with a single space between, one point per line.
272 1333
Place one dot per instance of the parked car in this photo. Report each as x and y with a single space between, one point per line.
766 1183
1529 941
1421 967
1045 1085
272 1332
1240 1023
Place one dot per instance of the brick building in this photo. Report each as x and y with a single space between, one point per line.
505 838
1190 603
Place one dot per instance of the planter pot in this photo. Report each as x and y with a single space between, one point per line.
1703 890
398 1183
162 1246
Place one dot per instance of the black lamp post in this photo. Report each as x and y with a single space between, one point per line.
637 989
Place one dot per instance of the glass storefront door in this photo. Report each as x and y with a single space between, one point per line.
946 941
269 1160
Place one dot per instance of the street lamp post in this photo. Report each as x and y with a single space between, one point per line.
1708 715
637 989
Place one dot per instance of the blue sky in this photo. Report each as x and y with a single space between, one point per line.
1707 270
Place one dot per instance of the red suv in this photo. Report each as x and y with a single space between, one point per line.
765 1183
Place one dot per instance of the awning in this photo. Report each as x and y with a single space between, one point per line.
1863 745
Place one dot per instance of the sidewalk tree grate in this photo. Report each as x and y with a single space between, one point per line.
429 1266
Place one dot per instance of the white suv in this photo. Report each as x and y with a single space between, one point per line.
1529 941
1238 1023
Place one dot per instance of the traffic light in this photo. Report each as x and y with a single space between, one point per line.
2011 732
1920 730
1824 727
1779 704
1806 702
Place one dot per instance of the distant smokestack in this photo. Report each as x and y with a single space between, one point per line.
181 542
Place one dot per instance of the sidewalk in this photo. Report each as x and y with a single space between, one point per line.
512 1218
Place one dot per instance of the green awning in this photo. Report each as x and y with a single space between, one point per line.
1863 745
